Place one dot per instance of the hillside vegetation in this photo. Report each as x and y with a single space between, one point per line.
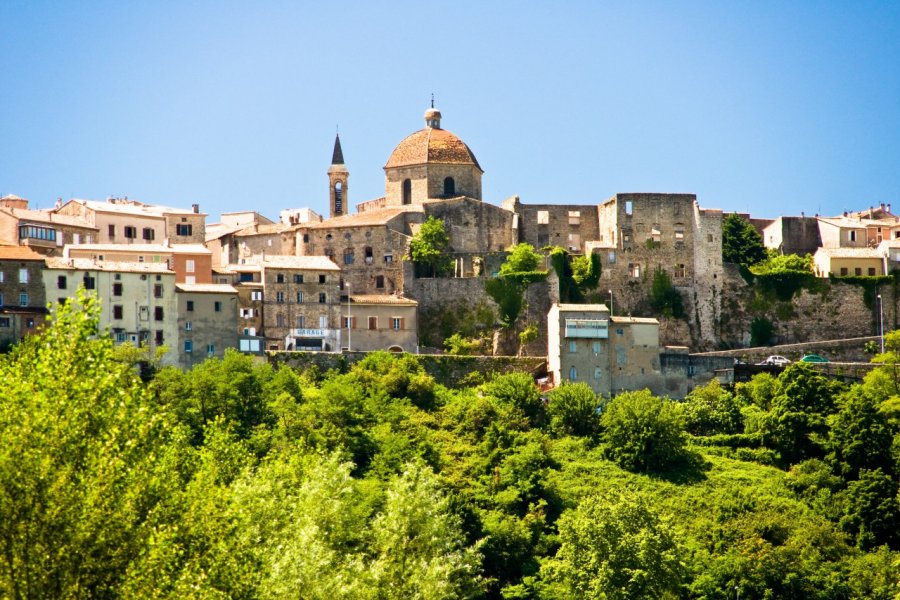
242 480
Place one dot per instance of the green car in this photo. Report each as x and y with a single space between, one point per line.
814 358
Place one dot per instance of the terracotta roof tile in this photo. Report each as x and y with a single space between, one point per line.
431 145
19 253
381 299
378 216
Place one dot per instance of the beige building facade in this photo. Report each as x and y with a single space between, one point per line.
207 321
380 322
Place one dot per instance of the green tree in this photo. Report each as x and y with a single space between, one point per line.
419 547
586 271
761 332
664 298
526 336
573 410
457 345
616 547
518 390
522 259
872 512
429 248
509 295
643 432
711 409
741 243
860 436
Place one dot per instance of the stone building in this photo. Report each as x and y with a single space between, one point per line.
43 231
23 303
207 319
566 225
192 263
137 300
124 221
380 322
793 235
610 354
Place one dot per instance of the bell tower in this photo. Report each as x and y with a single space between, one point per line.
337 181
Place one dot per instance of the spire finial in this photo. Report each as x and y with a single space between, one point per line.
432 100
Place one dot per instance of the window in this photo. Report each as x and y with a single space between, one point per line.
23 299
368 254
322 298
305 238
321 279
573 373
299 297
210 349
301 321
217 306
140 258
379 282
4 322
449 186
871 271
298 278
279 320
574 217
118 311
188 326
157 290
573 346
247 313
183 229
246 277
279 297
188 346
679 270
37 233
595 347
397 323
338 198
149 234
256 295
158 313
348 256
709 238
2 276
407 191
117 289
388 258
851 235
598 373
190 306
373 323
130 232
89 282
279 278
611 258
543 217
857 271
620 331
61 282
29 323
1 299
111 229
158 337
189 265
629 208
634 270
23 275
679 232
323 322
843 271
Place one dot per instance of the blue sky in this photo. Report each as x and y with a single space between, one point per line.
767 107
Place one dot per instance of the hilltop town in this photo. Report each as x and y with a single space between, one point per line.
344 281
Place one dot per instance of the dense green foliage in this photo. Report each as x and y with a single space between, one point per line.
240 479
664 298
508 289
428 249
577 275
741 243
782 275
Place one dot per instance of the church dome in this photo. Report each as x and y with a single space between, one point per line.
431 145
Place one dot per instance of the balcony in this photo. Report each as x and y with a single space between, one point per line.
587 328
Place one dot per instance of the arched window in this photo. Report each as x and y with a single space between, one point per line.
407 191
449 187
338 198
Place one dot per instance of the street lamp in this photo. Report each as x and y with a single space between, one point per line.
349 320
610 303
881 322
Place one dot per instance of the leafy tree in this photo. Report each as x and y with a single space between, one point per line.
784 274
741 243
664 298
509 296
420 550
518 390
429 248
615 547
872 513
522 259
577 275
457 345
586 271
643 432
526 336
573 410
710 409
860 436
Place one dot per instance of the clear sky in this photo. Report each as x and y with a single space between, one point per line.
768 107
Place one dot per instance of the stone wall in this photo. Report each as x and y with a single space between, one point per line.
565 225
452 371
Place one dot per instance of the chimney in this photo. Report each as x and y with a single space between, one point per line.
196 208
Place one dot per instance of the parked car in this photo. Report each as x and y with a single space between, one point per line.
778 361
814 358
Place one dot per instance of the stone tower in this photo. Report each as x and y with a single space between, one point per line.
337 181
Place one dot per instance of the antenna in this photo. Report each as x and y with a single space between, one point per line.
432 100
